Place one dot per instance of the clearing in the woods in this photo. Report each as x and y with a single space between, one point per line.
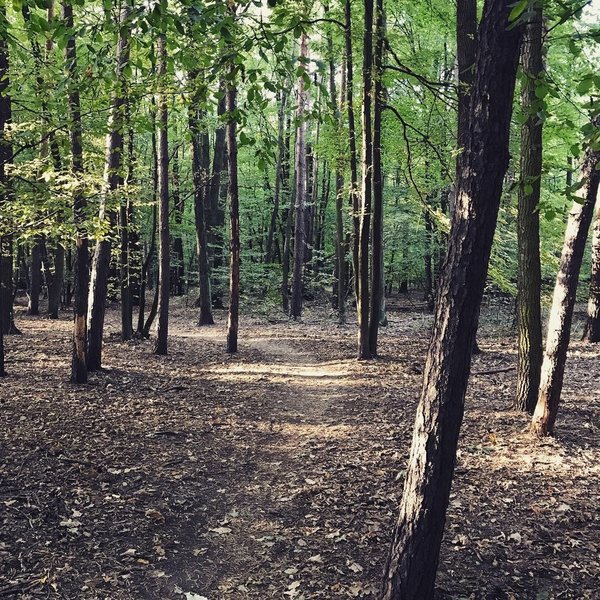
276 473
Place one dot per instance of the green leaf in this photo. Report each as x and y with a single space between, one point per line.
517 10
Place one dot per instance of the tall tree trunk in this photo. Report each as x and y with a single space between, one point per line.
278 175
362 307
126 238
354 193
81 275
178 271
412 564
164 247
234 215
428 292
55 276
35 284
2 367
301 187
200 172
112 180
377 277
563 300
289 221
592 326
529 312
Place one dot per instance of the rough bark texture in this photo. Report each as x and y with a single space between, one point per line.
362 306
412 564
81 276
529 269
35 285
377 283
164 248
354 192
178 270
200 172
234 221
563 300
301 191
112 180
592 326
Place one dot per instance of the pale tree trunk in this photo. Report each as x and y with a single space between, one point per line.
81 276
164 247
234 217
529 270
412 564
592 326
563 300
354 192
301 188
112 180
362 307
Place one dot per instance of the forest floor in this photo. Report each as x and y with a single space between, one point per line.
276 473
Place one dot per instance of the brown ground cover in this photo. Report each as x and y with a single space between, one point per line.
276 473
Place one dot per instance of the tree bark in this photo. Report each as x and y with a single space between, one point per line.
412 564
178 271
112 180
234 215
301 188
164 247
563 300
81 278
362 307
35 285
377 277
592 326
200 172
529 340
354 193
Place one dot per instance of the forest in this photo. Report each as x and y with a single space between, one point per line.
300 299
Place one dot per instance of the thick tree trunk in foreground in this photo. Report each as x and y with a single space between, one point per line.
234 221
563 300
112 180
592 326
301 189
412 564
2 368
529 270
362 306
81 275
164 246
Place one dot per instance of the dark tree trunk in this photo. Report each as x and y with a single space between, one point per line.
234 219
592 326
55 277
289 222
112 180
35 282
2 368
428 293
164 247
412 564
377 278
301 191
354 193
81 277
529 269
563 301
178 271
200 172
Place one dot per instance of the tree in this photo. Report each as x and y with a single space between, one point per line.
565 290
164 247
301 184
414 554
81 276
362 306
592 326
529 270
113 179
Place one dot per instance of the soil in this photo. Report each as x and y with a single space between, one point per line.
276 473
